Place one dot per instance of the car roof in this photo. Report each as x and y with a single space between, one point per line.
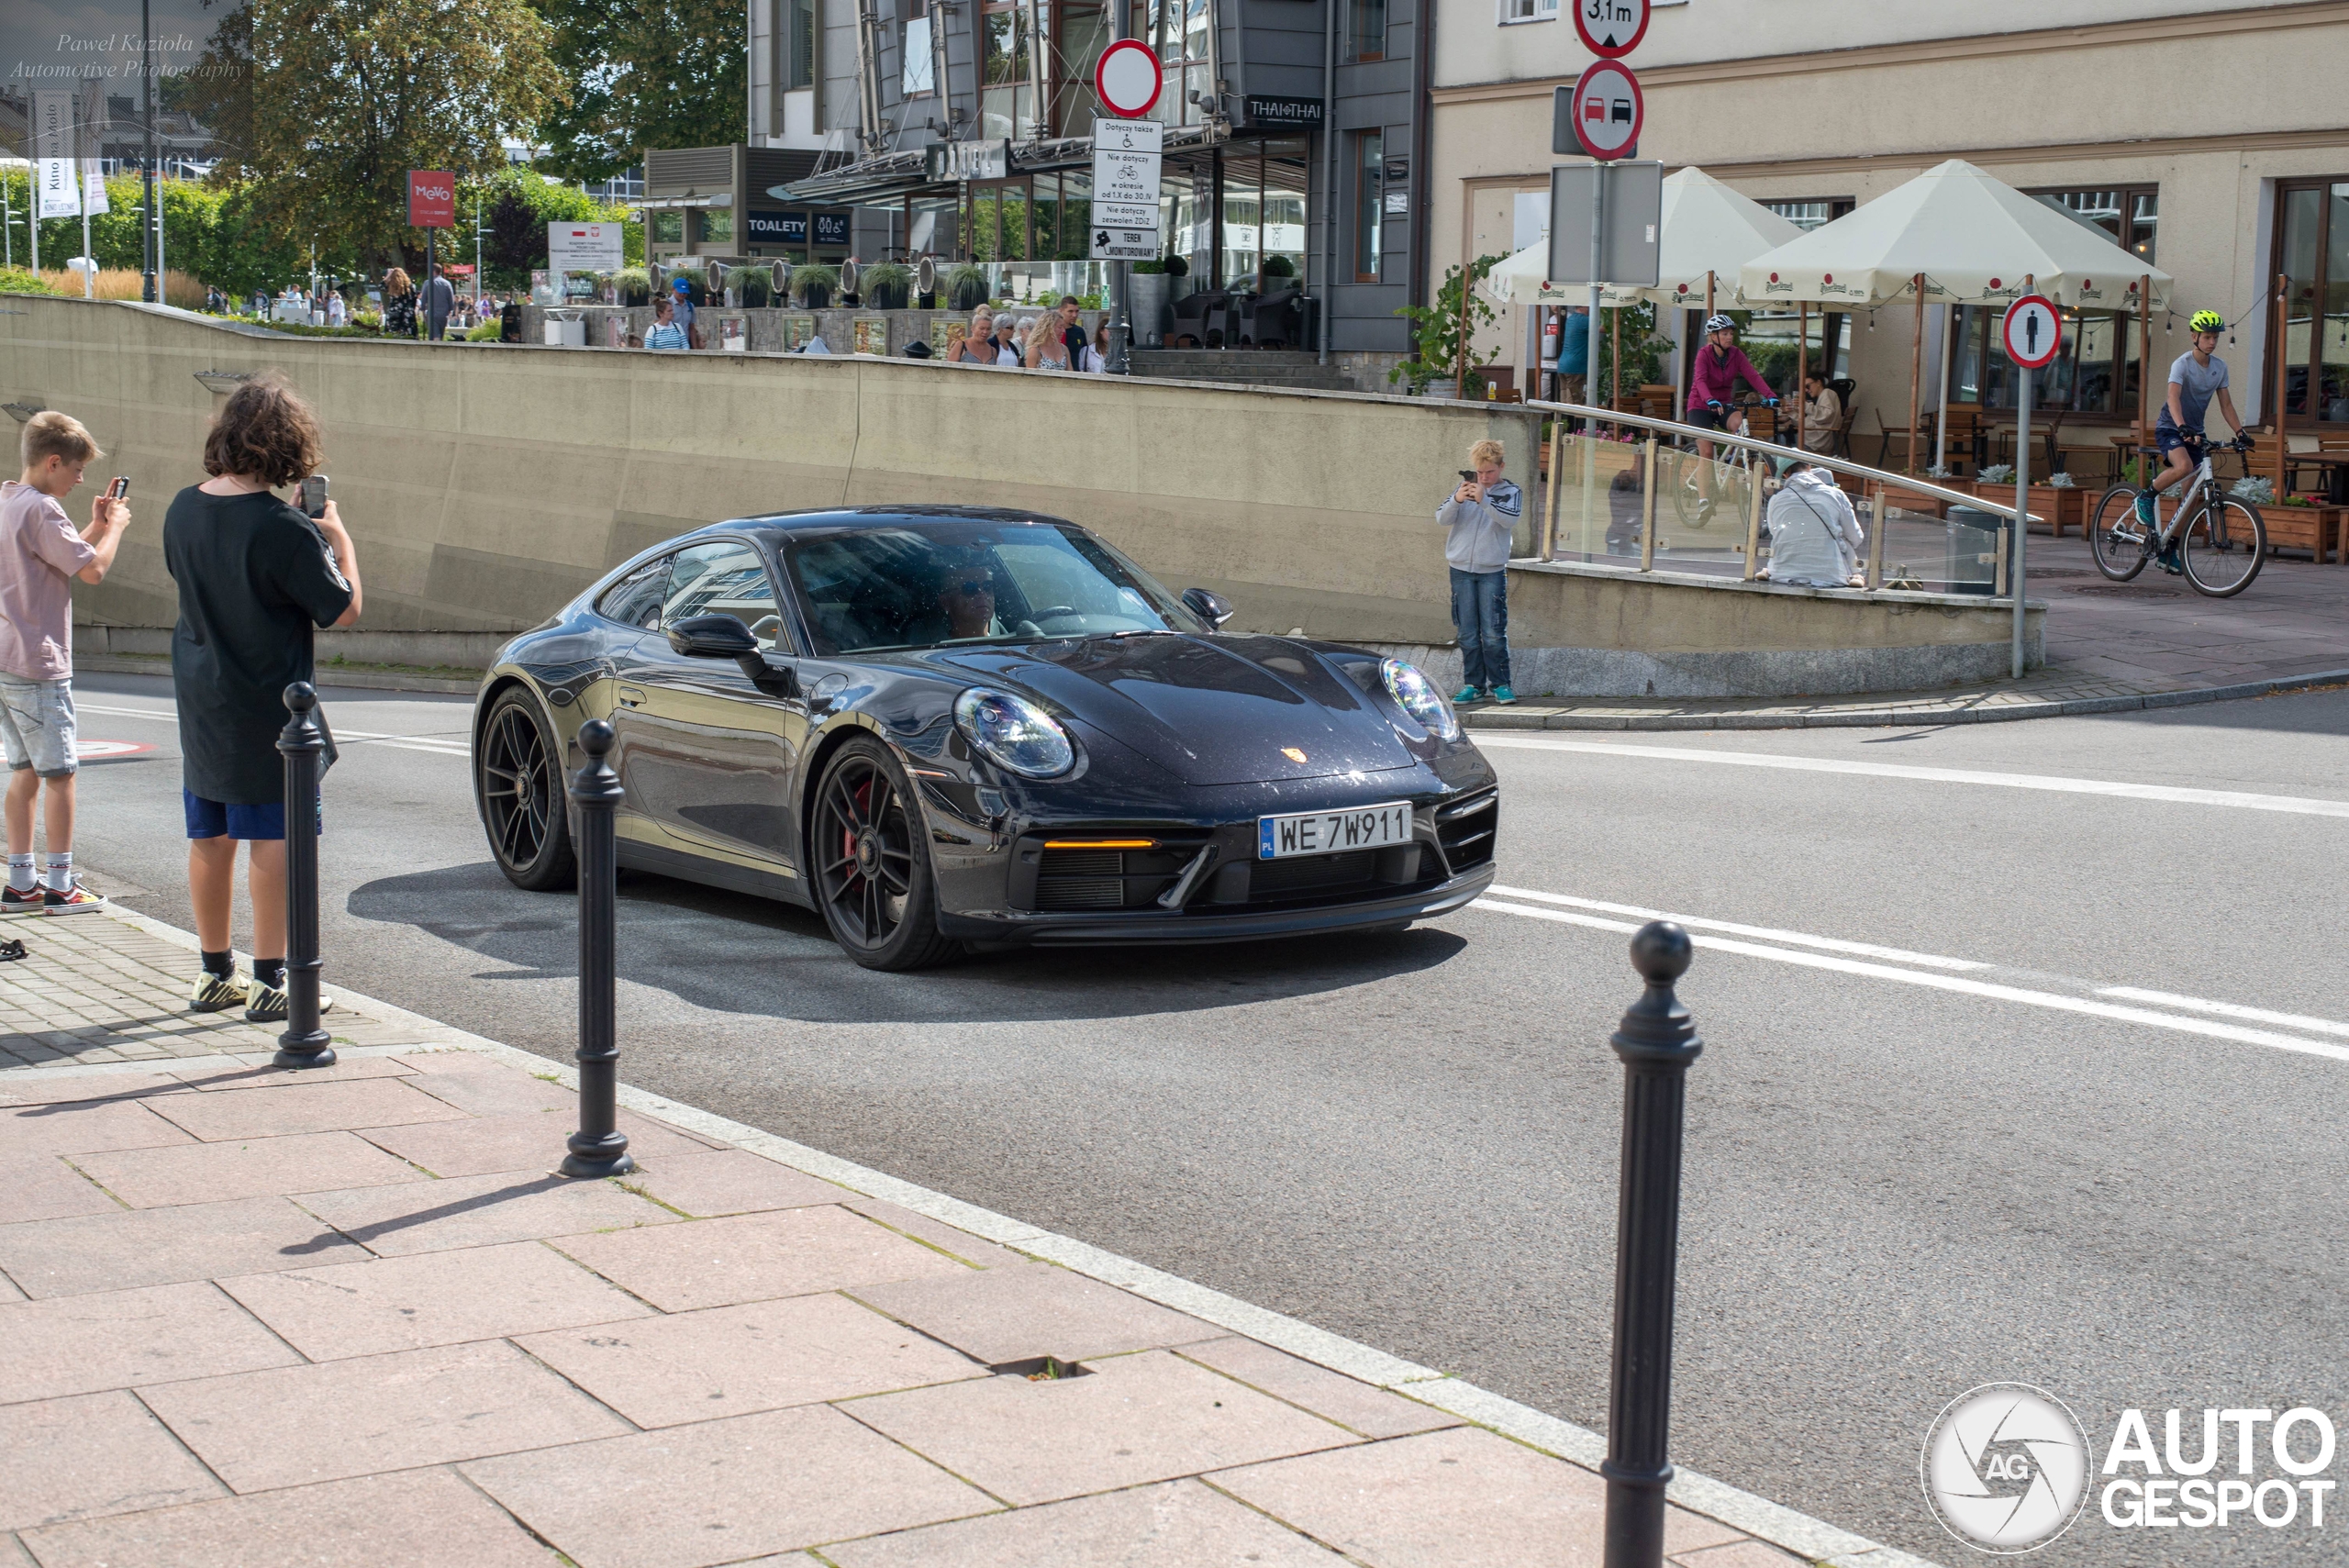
791 525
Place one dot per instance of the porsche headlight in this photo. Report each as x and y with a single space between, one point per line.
1014 733
1416 696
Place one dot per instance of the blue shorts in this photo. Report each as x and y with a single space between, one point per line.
2169 437
211 820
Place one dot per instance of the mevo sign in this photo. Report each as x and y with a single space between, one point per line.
431 199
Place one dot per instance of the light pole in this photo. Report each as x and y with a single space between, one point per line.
149 230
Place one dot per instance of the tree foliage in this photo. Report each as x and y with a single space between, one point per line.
661 73
1437 340
517 205
347 95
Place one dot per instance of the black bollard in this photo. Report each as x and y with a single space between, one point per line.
1657 1041
304 1043
599 1147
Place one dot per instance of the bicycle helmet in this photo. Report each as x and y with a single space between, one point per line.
2207 321
1720 323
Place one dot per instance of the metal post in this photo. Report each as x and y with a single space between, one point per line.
1802 375
1647 511
1657 1041
1876 536
1557 465
1941 437
598 1148
304 1043
1591 326
150 288
1753 514
2016 579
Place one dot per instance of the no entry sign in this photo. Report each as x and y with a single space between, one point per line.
1611 29
431 199
1127 79
2033 331
1608 110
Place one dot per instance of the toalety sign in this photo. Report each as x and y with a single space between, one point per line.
2008 1468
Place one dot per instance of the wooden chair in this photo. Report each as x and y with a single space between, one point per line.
1968 438
1918 438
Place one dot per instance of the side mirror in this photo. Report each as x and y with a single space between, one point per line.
712 637
1212 608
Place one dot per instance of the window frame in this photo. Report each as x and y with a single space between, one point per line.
1355 54
1542 11
1369 182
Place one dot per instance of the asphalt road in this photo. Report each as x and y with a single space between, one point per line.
1908 1174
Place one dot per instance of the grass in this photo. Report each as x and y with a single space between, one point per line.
121 282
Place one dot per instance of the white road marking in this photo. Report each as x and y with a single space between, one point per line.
1797 939
432 743
2226 1009
1991 989
2241 800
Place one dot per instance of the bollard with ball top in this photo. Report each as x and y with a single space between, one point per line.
599 1147
1657 1041
304 1043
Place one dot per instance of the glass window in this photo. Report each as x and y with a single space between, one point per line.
913 80
1804 216
975 582
1370 158
635 599
725 577
1529 11
1366 29
799 33
2332 353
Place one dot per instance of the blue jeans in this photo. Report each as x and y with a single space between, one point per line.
1480 614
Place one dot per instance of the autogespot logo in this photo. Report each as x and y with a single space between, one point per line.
2006 1467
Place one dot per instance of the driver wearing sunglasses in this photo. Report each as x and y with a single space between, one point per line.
968 600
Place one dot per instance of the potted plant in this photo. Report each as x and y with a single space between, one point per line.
1178 275
1146 297
814 285
885 285
966 287
1278 266
1444 361
753 285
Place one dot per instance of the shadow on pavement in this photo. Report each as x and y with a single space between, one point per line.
731 952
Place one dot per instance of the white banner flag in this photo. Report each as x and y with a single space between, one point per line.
96 122
53 151
93 188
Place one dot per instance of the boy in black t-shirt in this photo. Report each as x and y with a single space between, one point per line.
255 576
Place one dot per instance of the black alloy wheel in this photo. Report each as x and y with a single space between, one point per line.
524 806
872 873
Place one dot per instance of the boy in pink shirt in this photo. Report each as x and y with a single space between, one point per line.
41 556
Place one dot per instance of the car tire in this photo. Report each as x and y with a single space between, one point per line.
868 863
518 785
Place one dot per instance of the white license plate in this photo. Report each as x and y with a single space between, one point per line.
1332 832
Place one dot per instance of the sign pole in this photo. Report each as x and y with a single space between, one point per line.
2022 500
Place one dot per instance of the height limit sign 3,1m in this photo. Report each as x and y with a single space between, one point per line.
1126 154
1610 29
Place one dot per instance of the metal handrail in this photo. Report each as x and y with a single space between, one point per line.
1774 448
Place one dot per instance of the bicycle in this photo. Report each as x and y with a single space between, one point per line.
2219 546
1695 509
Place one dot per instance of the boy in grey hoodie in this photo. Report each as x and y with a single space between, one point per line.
1478 519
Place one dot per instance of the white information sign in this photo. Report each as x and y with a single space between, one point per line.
583 247
1126 158
2034 335
53 150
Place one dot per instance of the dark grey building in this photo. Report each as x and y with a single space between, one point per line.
963 129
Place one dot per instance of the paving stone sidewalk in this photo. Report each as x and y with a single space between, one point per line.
347 1316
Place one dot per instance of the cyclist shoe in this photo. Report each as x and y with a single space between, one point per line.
2145 507
23 901
1466 694
214 993
75 900
1503 695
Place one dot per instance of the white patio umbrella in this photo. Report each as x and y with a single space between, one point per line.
1954 235
1708 229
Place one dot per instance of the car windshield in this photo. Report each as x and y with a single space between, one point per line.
974 582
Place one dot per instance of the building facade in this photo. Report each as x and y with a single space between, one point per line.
2214 141
963 129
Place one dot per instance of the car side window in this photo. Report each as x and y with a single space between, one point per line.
635 599
725 577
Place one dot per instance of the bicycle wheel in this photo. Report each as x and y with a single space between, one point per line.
2118 538
2224 546
1688 503
1696 512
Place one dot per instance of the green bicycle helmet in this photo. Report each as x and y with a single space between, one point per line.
2207 321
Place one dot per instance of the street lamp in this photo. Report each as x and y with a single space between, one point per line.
151 231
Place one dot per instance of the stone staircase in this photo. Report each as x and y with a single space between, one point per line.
1288 368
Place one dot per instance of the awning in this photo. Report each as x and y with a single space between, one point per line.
889 176
1976 240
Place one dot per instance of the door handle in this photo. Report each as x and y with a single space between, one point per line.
631 696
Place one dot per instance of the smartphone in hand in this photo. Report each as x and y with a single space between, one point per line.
120 489
314 495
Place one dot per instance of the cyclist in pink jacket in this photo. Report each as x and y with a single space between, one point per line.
1711 384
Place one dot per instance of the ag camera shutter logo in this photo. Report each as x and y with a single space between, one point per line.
2006 1467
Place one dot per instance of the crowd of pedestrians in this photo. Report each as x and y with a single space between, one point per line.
256 576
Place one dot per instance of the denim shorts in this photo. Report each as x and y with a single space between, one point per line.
211 820
36 726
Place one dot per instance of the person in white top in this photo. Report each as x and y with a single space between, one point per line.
1815 536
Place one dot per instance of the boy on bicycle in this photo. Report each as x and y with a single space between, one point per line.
1711 384
2178 432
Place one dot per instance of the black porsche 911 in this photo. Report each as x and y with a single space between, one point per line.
945 728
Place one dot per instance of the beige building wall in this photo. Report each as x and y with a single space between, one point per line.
2211 104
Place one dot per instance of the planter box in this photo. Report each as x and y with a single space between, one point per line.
2053 507
2317 530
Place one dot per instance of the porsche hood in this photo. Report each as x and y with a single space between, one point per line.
1224 710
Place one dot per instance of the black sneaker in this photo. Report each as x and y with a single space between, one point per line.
27 901
75 900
